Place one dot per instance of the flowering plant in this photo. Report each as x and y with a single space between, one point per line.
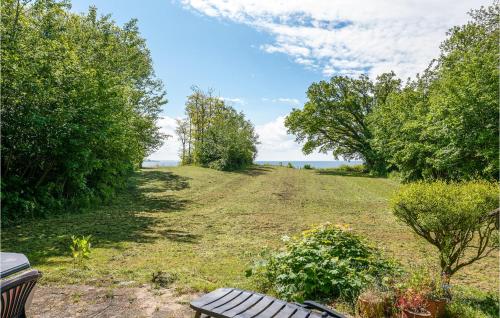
412 300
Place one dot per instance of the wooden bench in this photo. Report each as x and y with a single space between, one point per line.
237 303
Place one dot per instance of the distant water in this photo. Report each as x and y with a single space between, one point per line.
296 164
159 163
315 164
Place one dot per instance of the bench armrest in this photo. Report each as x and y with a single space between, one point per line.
314 305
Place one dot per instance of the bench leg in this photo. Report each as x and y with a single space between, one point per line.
197 314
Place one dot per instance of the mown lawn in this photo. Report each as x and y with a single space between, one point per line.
207 226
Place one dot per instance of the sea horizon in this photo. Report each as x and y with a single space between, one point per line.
320 164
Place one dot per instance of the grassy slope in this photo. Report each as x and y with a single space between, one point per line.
207 226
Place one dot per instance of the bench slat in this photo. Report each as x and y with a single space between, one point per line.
233 303
287 311
224 300
236 303
275 307
210 297
254 299
257 308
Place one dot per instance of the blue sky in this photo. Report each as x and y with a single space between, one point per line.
262 55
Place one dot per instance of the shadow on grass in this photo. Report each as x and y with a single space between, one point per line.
129 218
255 170
180 236
159 181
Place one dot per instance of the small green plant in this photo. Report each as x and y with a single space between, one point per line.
327 262
289 165
80 249
164 279
308 167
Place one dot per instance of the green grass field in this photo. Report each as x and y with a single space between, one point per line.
207 227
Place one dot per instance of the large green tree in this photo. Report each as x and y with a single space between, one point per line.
444 124
335 117
229 142
214 134
397 128
79 106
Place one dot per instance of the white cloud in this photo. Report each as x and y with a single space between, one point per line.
348 37
276 144
286 100
235 100
170 148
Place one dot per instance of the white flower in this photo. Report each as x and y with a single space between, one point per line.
285 238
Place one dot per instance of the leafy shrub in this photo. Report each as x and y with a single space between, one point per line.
80 249
325 262
308 167
80 103
289 165
352 168
455 217
348 170
428 281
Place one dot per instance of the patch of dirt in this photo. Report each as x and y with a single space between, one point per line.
287 191
98 302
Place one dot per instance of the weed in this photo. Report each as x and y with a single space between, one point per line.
80 249
163 279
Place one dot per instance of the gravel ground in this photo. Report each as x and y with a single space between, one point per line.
95 302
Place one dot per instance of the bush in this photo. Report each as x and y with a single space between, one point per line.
80 103
457 218
289 165
353 168
308 167
324 263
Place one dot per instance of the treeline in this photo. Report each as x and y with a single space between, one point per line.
79 107
214 134
444 124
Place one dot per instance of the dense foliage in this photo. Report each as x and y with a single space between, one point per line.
324 263
79 106
444 124
214 134
457 218
335 117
